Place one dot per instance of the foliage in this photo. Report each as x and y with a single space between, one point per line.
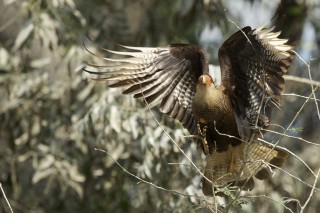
53 116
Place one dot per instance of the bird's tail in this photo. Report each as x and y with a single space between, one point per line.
239 164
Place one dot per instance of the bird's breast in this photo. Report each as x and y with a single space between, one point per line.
211 105
213 109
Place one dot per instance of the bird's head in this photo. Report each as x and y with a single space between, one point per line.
205 81
206 89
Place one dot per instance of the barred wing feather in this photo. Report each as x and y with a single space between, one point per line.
253 63
165 76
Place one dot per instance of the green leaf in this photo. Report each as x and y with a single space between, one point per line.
23 35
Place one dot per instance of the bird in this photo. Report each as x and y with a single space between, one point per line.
227 110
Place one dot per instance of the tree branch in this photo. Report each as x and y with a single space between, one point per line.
5 197
301 80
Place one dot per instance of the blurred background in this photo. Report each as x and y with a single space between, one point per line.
53 115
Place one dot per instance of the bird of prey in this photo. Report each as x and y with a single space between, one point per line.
227 113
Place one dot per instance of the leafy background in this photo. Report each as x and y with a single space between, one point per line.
53 116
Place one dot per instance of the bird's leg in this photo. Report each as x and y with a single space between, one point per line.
203 134
232 163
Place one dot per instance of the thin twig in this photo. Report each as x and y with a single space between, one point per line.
291 123
278 202
299 96
175 143
295 177
311 193
296 156
310 77
291 136
147 182
5 197
301 80
254 134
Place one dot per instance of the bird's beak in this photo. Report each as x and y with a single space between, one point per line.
205 80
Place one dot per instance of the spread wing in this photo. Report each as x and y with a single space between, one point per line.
253 63
165 76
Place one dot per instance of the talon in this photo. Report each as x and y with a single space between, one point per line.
199 128
232 163
205 145
203 134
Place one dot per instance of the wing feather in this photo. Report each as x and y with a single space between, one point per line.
164 76
253 63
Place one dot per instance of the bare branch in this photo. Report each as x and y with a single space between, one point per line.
175 143
144 181
312 86
311 193
291 123
296 156
300 96
278 202
5 197
301 80
290 136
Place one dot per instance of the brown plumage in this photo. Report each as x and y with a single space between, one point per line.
227 115
227 151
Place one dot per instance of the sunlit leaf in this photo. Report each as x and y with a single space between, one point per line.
24 34
4 57
46 162
40 62
42 174
7 2
115 120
